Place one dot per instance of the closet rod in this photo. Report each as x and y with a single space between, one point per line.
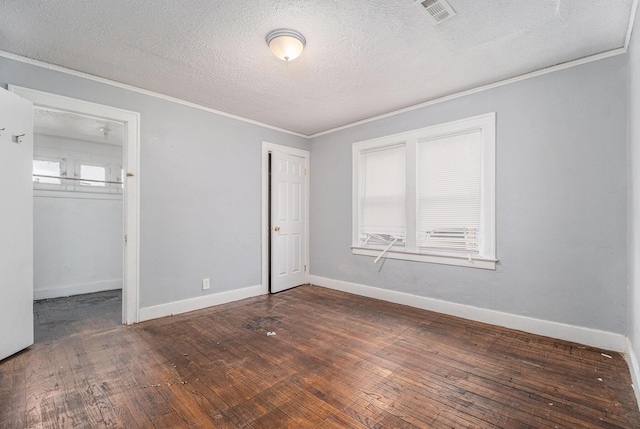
77 178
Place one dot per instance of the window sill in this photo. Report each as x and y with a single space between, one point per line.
474 262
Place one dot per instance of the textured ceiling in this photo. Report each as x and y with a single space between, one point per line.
77 127
363 58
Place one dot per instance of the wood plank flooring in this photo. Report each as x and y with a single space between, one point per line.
337 361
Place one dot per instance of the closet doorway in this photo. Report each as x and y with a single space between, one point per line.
78 211
86 198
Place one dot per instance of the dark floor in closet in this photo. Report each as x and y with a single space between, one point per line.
58 317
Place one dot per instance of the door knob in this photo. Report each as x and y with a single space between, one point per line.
276 229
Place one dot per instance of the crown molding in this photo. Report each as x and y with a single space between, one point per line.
106 81
487 87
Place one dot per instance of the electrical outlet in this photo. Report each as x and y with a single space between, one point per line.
205 284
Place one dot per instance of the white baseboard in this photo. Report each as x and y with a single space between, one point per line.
199 302
634 367
592 337
77 289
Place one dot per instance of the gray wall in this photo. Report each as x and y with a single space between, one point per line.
561 201
634 187
199 183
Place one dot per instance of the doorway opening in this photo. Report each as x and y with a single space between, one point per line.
77 209
100 173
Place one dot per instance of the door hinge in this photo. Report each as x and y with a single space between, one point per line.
305 268
305 171
125 239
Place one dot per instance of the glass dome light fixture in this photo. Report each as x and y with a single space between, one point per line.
286 44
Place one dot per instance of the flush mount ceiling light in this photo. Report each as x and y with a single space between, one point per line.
286 44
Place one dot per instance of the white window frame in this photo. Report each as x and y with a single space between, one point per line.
81 187
61 174
73 188
486 258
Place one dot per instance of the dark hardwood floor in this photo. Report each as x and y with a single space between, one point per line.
336 361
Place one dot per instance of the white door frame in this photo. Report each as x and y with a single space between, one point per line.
131 198
266 228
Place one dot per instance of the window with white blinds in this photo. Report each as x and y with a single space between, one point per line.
449 192
382 199
428 195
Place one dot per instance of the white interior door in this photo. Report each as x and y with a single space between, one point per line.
16 223
288 229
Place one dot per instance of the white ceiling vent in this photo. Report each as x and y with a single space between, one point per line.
436 10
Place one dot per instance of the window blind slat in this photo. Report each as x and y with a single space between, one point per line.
449 198
382 201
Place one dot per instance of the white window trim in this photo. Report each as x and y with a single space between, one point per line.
61 174
473 262
78 186
72 189
487 258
